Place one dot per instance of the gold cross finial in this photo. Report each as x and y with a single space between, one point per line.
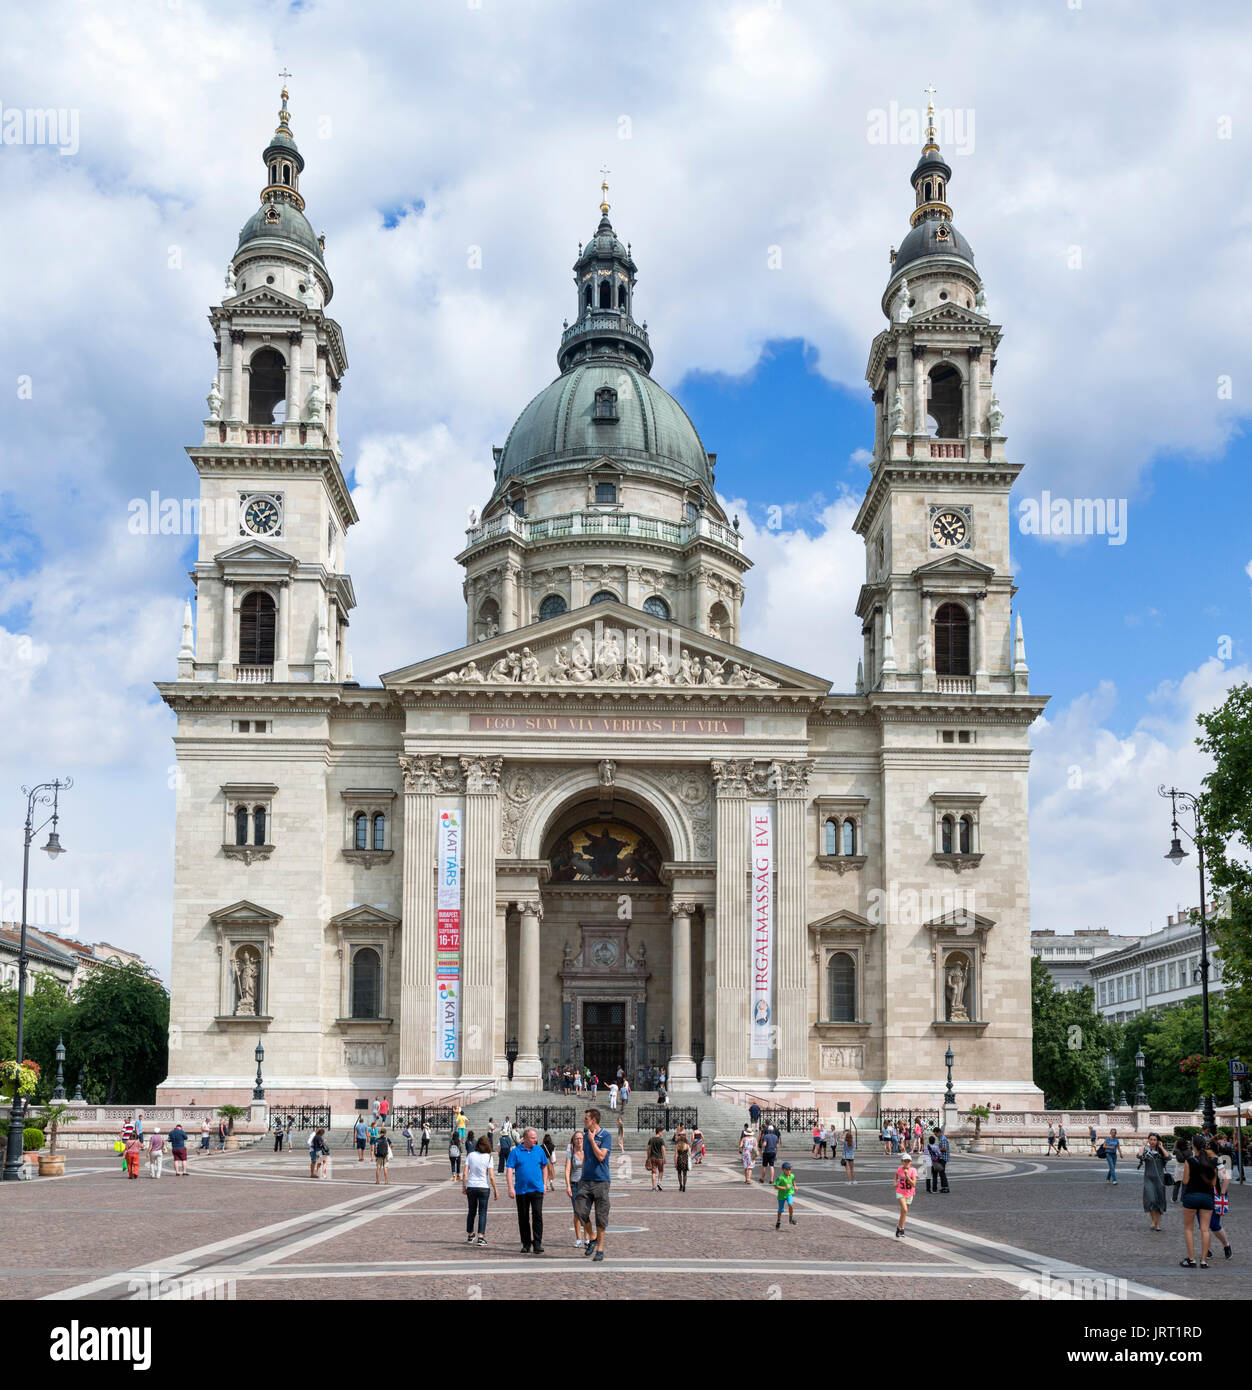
930 92
604 189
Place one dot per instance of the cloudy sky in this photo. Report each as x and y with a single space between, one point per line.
760 155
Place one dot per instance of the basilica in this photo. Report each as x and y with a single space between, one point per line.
601 831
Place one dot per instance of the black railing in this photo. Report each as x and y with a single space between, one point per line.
546 1118
667 1116
908 1118
303 1116
788 1121
436 1116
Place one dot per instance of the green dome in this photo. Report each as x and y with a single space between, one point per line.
651 434
292 225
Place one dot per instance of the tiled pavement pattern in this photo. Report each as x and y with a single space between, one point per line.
258 1220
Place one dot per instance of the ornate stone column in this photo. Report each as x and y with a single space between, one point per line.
295 341
236 374
682 1069
577 593
732 922
632 587
791 995
500 1002
425 779
919 392
980 641
508 597
527 1067
226 663
926 662
708 1067
482 787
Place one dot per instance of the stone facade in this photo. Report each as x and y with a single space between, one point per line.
609 763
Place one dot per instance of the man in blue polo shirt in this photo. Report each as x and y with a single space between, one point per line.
593 1186
360 1132
529 1178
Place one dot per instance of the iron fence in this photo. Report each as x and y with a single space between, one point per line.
788 1121
546 1118
436 1116
908 1118
667 1116
303 1117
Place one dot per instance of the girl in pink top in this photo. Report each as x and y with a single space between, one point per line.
906 1186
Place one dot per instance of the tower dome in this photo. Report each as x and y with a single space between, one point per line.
932 231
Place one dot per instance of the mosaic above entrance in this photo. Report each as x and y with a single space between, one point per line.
605 852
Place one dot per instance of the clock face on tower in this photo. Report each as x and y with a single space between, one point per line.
261 514
949 528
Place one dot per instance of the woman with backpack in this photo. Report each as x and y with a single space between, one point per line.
382 1153
454 1156
1199 1177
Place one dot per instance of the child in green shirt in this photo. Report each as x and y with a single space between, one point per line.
785 1186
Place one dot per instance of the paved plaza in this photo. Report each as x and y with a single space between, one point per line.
254 1226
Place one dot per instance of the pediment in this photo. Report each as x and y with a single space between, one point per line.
365 916
607 645
264 297
956 566
604 464
961 922
243 913
949 315
843 920
253 552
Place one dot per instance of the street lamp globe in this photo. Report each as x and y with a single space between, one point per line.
1176 852
54 845
259 1054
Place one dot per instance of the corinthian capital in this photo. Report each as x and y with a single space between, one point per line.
532 905
682 909
481 774
430 774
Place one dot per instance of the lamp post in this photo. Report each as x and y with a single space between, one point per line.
1175 856
258 1091
1108 1067
1141 1096
58 1092
949 1096
44 794
78 1089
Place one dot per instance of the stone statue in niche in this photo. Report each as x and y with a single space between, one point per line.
313 404
214 399
246 975
995 416
902 310
955 978
897 413
231 287
607 769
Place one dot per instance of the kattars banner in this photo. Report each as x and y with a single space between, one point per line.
761 860
448 936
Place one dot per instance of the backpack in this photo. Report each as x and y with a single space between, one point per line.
381 1147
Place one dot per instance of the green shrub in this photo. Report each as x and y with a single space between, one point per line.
32 1140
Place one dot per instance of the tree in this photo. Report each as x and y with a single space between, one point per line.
1226 814
121 1018
1070 1040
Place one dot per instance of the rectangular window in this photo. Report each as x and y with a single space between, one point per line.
243 726
963 736
949 735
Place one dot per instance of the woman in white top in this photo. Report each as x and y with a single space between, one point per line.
476 1181
747 1147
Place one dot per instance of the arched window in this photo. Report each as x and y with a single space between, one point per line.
606 295
945 834
241 825
832 836
951 640
380 830
360 831
587 297
621 296
928 191
267 386
841 988
256 629
657 607
849 837
943 409
258 825
606 404
603 596
967 835
552 607
367 978
488 621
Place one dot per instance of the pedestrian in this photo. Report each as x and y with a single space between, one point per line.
129 1127
1062 1141
178 1149
1152 1161
1182 1148
655 1162
455 1154
769 1154
1093 1139
1199 1178
917 1136
502 1149
156 1152
424 1152
1051 1136
373 1134
884 1133
754 1113
278 1134
940 1164
206 1135
318 1152
747 1152
139 1126
613 1094
697 1145
593 1185
222 1130
461 1124
574 1152
1221 1199
361 1135
384 1109
817 1139
491 1132
1108 1152
382 1155
476 1183
621 1132
507 1126
291 1133
682 1157
661 1097
849 1155
550 1144
624 1094
133 1148
529 1176
407 1132
785 1189
377 1103
906 1187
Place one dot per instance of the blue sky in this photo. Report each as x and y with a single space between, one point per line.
760 155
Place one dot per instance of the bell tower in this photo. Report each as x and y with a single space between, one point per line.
272 596
936 605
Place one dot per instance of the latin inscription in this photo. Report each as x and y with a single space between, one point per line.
647 725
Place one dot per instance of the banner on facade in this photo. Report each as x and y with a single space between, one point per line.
448 937
761 860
